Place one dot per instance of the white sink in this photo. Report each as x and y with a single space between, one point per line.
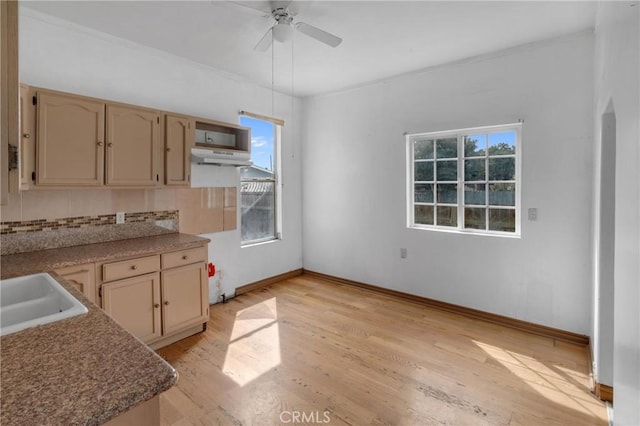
34 300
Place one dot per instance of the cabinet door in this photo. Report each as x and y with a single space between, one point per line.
132 137
27 137
135 304
8 90
179 138
70 140
82 277
185 297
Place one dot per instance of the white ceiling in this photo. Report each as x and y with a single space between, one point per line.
381 38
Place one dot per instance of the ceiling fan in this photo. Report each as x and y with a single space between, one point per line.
284 25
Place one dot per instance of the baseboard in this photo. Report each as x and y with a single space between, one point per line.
268 281
542 330
178 336
604 392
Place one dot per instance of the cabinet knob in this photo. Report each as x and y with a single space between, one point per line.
99 143
157 305
185 257
168 149
166 302
134 267
26 135
110 144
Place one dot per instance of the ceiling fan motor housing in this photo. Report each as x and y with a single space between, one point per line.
282 30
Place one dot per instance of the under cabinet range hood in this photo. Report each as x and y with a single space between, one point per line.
221 144
220 157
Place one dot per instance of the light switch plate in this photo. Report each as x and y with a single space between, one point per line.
532 213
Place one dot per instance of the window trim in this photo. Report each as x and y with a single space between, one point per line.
459 135
276 180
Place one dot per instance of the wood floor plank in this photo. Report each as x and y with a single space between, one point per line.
311 348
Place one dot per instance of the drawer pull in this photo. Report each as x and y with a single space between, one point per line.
134 267
157 305
166 302
185 257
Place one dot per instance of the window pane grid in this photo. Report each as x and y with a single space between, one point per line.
472 180
259 183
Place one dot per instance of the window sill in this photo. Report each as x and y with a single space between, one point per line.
514 235
259 242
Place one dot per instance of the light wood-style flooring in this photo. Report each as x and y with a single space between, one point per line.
307 351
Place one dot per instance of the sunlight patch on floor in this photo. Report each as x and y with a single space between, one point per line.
254 346
556 383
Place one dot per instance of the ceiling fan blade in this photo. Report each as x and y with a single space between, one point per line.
265 41
251 6
318 34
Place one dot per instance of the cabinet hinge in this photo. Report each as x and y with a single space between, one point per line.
100 292
34 100
158 118
33 176
13 157
157 178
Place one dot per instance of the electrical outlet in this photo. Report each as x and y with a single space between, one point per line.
532 213
403 253
119 218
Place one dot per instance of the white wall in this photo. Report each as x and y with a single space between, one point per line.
617 56
354 203
60 55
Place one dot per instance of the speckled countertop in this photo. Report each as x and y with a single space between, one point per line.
15 265
86 369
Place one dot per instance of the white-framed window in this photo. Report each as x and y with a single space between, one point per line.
465 180
260 204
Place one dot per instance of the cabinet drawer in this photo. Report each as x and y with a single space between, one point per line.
130 268
184 257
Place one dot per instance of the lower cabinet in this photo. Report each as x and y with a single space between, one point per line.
185 299
82 277
160 298
135 304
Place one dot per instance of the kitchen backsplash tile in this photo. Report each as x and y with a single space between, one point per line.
40 234
128 200
49 204
230 196
90 202
43 219
12 211
201 210
160 199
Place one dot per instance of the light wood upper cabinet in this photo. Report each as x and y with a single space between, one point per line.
90 142
135 304
85 142
27 137
70 142
82 277
178 140
132 138
8 89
